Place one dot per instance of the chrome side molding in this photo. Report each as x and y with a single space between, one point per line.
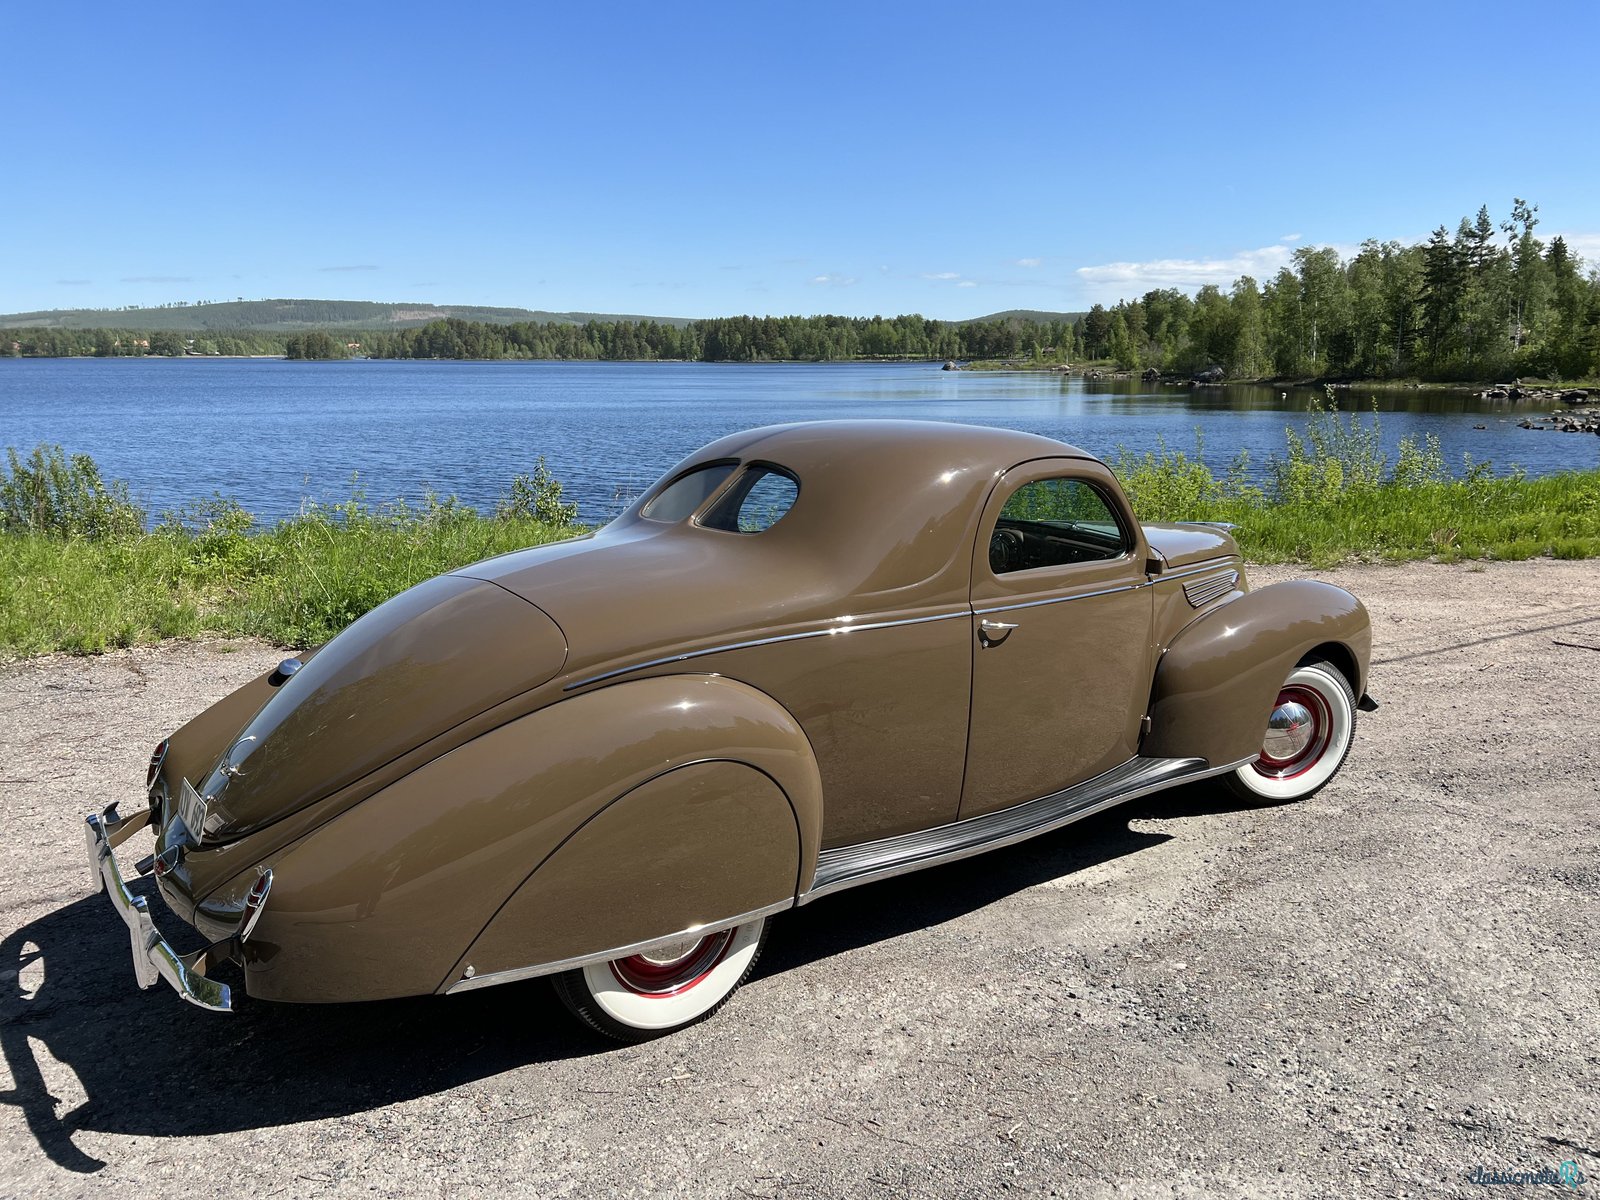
470 979
848 866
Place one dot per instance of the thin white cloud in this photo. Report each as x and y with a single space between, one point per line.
1290 237
1585 245
1118 280
941 275
1030 262
1110 282
968 283
833 280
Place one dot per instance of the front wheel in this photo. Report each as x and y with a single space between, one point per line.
1308 735
646 995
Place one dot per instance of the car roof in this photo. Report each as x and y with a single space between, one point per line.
883 523
912 450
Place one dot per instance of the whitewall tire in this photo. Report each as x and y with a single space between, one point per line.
1309 732
646 995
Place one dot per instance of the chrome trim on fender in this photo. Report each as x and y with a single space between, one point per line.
470 979
831 631
1203 591
1229 561
153 959
848 866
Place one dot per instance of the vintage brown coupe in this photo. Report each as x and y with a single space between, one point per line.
812 656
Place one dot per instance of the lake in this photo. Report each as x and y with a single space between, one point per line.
270 432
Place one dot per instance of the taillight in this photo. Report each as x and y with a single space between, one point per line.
255 900
156 759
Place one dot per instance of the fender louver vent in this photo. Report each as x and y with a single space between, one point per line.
1204 591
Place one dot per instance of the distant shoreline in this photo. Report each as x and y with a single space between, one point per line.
1108 374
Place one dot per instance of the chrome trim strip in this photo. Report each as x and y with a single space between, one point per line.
469 982
153 959
1121 587
831 631
834 630
848 866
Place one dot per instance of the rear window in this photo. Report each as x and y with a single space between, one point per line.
756 502
688 492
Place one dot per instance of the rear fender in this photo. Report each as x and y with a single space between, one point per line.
386 899
1218 679
694 848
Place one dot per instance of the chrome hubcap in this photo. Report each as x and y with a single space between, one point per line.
672 967
1289 731
1297 734
670 953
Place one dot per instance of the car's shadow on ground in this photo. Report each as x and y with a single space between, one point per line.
150 1065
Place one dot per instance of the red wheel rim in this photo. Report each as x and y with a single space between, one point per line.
1303 759
659 977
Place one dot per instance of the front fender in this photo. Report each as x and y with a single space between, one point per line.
1216 683
386 898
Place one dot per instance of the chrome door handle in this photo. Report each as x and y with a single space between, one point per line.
994 632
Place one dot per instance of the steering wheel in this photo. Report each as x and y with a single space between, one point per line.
1005 551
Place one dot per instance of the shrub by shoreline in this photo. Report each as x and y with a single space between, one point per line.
80 571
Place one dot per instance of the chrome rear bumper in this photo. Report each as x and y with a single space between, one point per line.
153 959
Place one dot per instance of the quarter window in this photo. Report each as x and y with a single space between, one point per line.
1052 523
757 501
687 492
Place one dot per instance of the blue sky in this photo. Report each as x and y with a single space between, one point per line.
946 159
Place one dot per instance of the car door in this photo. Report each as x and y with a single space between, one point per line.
1061 623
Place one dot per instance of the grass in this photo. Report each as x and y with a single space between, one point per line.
296 584
82 571
1335 497
1448 521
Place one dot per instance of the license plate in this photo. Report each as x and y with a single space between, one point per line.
192 810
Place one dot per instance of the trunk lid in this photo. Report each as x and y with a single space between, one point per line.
421 663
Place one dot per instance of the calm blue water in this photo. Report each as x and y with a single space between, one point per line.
271 433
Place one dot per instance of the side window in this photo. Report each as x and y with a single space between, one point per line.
756 502
1052 523
688 492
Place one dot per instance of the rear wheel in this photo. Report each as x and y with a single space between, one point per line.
1308 735
646 995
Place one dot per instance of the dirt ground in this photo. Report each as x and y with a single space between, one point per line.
1376 991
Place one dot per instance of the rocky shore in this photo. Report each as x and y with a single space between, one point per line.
1581 414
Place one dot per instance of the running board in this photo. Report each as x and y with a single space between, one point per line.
846 866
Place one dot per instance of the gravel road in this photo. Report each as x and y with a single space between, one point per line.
1375 991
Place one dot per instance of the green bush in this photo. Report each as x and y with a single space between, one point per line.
48 493
537 497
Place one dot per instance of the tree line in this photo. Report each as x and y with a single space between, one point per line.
722 339
36 342
1485 302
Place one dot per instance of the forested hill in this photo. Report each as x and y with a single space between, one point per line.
289 316
297 316
1026 316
